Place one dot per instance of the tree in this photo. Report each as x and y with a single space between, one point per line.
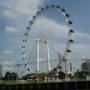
10 76
62 75
7 76
14 76
81 74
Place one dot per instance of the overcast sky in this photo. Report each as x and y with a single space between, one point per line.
15 15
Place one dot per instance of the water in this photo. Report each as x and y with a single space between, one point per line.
79 85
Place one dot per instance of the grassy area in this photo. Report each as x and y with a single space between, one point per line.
13 82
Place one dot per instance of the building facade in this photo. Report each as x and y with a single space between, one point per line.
85 66
0 71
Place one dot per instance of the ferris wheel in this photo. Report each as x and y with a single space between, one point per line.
68 23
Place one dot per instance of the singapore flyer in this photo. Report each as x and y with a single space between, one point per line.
47 40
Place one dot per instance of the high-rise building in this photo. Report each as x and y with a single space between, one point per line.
0 71
85 66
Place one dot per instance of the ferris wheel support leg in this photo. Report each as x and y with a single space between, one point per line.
38 56
48 57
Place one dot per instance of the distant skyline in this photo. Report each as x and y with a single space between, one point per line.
14 18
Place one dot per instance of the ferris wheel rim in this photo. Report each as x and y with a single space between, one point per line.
68 24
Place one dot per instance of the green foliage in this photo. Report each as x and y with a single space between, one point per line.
10 76
81 74
62 75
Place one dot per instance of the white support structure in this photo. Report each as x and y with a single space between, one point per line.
48 57
38 59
